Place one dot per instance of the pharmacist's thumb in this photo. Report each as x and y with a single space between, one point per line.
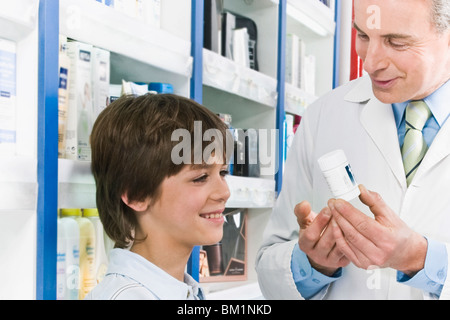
374 201
305 216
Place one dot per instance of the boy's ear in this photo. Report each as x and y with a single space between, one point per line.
138 206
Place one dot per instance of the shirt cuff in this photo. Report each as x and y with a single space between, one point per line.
432 277
308 280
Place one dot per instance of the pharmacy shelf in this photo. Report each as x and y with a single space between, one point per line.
18 184
77 188
143 50
297 100
226 75
19 171
313 22
18 18
92 22
250 192
76 185
18 23
312 14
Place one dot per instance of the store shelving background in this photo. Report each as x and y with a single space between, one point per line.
32 190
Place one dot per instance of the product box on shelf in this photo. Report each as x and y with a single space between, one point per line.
100 80
295 60
309 74
213 25
63 95
239 39
7 97
160 87
80 113
227 260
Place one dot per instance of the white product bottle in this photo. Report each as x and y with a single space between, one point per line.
100 259
69 239
60 263
339 175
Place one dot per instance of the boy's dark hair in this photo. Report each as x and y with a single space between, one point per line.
131 153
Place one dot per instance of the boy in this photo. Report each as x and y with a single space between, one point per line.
154 209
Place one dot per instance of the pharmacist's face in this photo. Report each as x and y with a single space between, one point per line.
405 56
189 208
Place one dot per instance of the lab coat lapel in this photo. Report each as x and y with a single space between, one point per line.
378 120
439 149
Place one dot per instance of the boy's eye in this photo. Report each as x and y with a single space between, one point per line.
205 176
224 173
202 178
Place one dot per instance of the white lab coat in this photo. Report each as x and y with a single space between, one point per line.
352 119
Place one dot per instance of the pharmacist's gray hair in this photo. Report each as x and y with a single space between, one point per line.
441 14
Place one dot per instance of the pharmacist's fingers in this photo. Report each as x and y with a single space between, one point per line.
326 242
311 236
382 212
330 253
348 249
337 257
359 230
305 216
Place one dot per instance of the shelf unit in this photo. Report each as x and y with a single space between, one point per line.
39 183
18 173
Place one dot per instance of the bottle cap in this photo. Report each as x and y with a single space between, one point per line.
332 160
90 212
75 212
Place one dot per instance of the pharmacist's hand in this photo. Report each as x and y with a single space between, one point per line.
317 241
385 241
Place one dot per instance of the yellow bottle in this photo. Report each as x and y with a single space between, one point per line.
101 259
87 253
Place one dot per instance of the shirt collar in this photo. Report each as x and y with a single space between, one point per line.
437 102
159 282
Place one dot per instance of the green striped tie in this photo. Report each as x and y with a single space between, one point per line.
414 146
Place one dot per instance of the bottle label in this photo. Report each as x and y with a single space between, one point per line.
340 180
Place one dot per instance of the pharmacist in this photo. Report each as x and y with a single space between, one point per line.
392 242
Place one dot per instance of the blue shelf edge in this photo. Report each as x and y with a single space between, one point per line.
47 150
281 63
196 93
337 44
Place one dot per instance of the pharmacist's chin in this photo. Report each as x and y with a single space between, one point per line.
387 92
392 91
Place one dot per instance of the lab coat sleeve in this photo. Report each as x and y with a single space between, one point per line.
273 262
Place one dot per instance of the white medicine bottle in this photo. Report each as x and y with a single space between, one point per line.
69 244
339 176
61 263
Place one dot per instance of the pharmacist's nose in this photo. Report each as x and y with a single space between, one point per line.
376 58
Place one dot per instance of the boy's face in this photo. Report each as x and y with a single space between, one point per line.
189 209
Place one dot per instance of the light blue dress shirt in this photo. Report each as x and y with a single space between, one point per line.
432 277
132 277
